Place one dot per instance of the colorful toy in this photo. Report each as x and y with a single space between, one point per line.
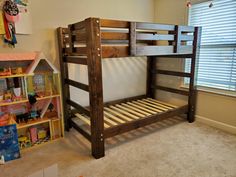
4 119
8 96
33 134
17 70
5 72
24 142
2 160
42 134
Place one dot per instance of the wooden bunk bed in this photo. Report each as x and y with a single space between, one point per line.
90 41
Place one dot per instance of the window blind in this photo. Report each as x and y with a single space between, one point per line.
216 66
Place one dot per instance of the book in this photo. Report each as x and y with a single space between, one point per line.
9 147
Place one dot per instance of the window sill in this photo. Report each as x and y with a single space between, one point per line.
213 91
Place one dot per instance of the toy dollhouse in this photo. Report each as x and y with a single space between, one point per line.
30 98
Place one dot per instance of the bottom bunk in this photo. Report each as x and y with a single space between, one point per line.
129 115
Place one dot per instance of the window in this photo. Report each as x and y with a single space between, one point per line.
217 57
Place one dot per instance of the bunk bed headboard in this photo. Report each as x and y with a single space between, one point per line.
125 39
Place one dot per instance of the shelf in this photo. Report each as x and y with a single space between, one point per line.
13 102
34 122
47 97
11 76
26 100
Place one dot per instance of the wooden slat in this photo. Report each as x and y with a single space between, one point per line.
142 108
154 50
85 120
75 60
78 107
77 84
186 28
151 37
110 121
81 36
148 107
81 50
115 51
172 73
114 117
154 26
186 37
118 114
157 103
123 100
84 133
114 23
124 112
185 49
164 103
79 25
153 105
136 109
131 111
112 131
173 90
114 36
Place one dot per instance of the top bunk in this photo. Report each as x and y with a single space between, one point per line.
113 39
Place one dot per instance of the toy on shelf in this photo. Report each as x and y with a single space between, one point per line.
24 142
33 134
6 119
52 112
17 71
8 96
42 134
5 72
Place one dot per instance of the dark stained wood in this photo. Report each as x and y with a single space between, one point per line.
115 51
114 23
192 87
95 86
132 33
154 26
79 25
70 39
122 128
81 50
80 108
77 84
151 78
75 60
173 90
154 36
177 39
64 74
84 133
114 36
124 100
172 73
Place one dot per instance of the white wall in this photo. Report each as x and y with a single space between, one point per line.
213 109
122 77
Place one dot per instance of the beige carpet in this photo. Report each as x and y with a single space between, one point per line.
169 149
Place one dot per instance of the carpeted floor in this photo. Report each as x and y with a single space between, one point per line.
172 148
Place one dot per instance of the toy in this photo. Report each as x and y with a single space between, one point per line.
4 119
17 70
33 134
8 96
5 72
42 134
2 160
52 112
24 142
22 118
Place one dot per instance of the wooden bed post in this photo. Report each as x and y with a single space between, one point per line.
64 74
95 86
192 86
151 77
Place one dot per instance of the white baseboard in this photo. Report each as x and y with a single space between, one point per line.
213 123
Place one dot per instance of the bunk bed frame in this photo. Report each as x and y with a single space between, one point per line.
90 41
